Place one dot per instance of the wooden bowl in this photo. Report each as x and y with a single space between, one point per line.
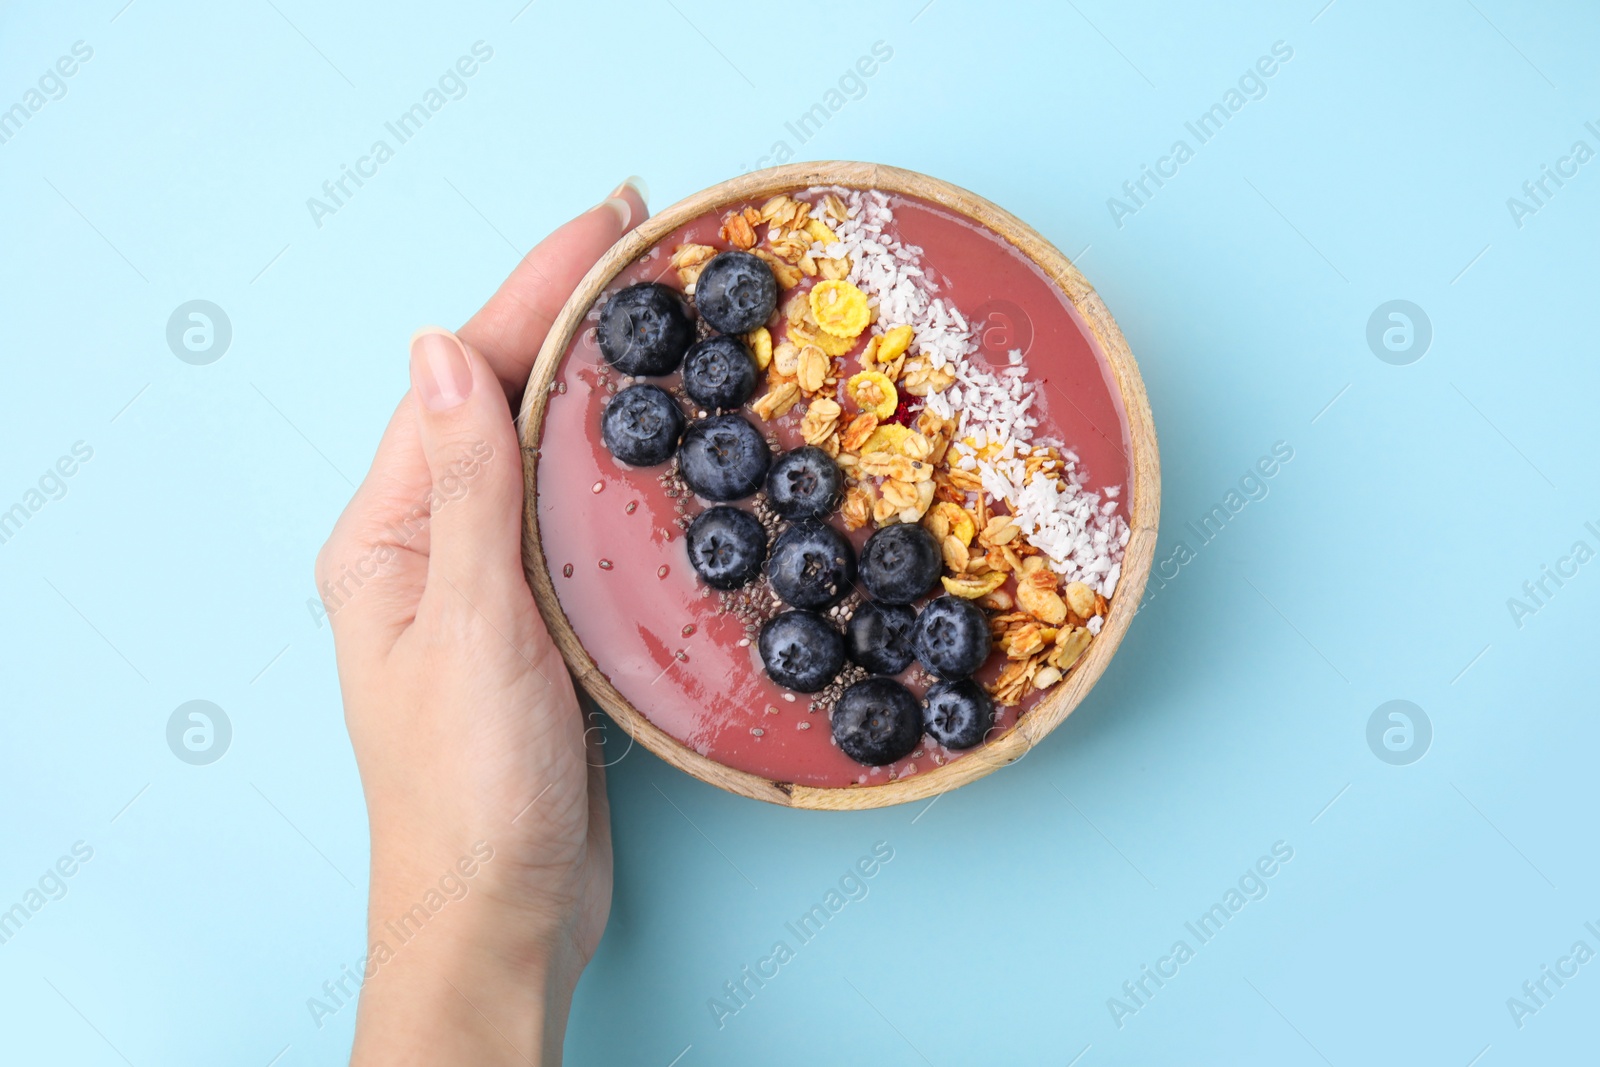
1143 507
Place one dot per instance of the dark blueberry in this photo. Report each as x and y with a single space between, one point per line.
801 651
719 372
812 565
877 721
645 329
879 637
736 292
804 484
726 546
723 457
641 425
900 563
952 637
957 714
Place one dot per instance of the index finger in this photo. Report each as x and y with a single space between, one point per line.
509 329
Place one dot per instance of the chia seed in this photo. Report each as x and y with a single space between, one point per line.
829 696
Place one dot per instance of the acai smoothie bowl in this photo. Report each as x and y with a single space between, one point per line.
842 485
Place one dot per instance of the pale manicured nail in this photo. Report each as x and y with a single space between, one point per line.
638 185
621 208
439 369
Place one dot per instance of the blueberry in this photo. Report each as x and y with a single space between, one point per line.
726 546
812 565
736 292
957 714
879 637
900 563
723 457
877 721
640 425
719 372
645 329
952 637
804 484
801 651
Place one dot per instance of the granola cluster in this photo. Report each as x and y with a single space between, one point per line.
902 459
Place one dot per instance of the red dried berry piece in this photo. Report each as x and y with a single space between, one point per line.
904 412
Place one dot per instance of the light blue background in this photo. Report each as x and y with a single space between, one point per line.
178 564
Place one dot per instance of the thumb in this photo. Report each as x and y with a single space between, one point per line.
475 467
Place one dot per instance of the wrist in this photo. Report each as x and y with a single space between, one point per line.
453 963
473 894
444 984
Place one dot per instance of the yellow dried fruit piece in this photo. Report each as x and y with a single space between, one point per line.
840 308
869 353
988 451
958 523
819 232
894 344
971 588
873 392
834 346
885 438
806 333
760 342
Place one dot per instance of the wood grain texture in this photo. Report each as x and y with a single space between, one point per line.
1144 501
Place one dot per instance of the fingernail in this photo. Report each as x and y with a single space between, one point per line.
439 370
622 209
637 184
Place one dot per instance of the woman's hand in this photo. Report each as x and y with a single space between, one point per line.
491 847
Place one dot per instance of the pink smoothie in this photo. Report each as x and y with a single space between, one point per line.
614 543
